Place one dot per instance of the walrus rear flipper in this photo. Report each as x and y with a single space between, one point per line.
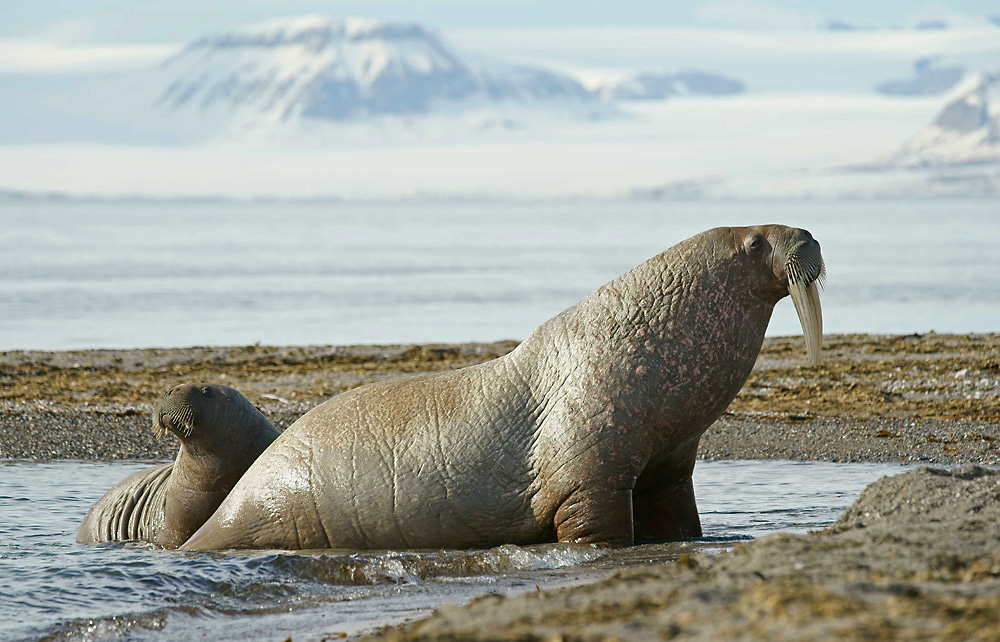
239 525
212 536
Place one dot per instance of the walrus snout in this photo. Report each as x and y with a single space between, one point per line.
163 423
177 410
804 262
804 270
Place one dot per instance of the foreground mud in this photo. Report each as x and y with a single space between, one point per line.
933 398
915 558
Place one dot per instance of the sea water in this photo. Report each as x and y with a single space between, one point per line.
107 275
55 589
111 275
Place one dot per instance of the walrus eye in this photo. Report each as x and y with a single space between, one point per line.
206 391
756 242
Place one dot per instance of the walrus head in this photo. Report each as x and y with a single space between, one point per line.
794 258
180 409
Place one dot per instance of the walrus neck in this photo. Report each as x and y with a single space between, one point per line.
656 334
683 327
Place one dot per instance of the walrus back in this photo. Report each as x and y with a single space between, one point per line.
413 462
131 511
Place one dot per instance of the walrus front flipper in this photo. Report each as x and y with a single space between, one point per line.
663 503
668 513
593 515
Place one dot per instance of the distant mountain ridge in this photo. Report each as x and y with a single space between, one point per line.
650 85
311 70
929 79
318 80
337 70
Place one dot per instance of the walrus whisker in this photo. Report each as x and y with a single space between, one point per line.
186 421
808 273
182 420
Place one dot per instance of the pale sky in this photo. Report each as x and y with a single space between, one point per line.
147 21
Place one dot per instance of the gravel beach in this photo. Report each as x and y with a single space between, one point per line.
916 558
920 398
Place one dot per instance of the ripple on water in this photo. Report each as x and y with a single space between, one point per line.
204 587
56 589
396 567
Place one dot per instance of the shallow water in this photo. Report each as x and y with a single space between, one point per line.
56 589
103 275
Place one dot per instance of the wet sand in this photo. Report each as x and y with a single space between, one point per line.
917 557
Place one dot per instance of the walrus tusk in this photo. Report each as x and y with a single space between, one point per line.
806 300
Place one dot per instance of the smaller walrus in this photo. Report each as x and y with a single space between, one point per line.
221 434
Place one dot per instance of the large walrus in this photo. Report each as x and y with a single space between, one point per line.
587 432
221 434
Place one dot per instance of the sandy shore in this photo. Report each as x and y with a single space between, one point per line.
916 558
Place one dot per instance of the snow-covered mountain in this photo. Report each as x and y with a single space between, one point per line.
663 85
965 132
312 107
317 80
325 69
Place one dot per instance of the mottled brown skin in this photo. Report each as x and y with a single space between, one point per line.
587 432
221 434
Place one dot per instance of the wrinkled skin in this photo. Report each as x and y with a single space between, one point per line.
221 434
587 432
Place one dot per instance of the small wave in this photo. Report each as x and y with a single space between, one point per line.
116 627
223 587
408 567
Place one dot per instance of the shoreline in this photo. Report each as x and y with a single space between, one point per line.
931 398
914 558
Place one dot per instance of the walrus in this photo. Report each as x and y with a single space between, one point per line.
221 434
586 432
